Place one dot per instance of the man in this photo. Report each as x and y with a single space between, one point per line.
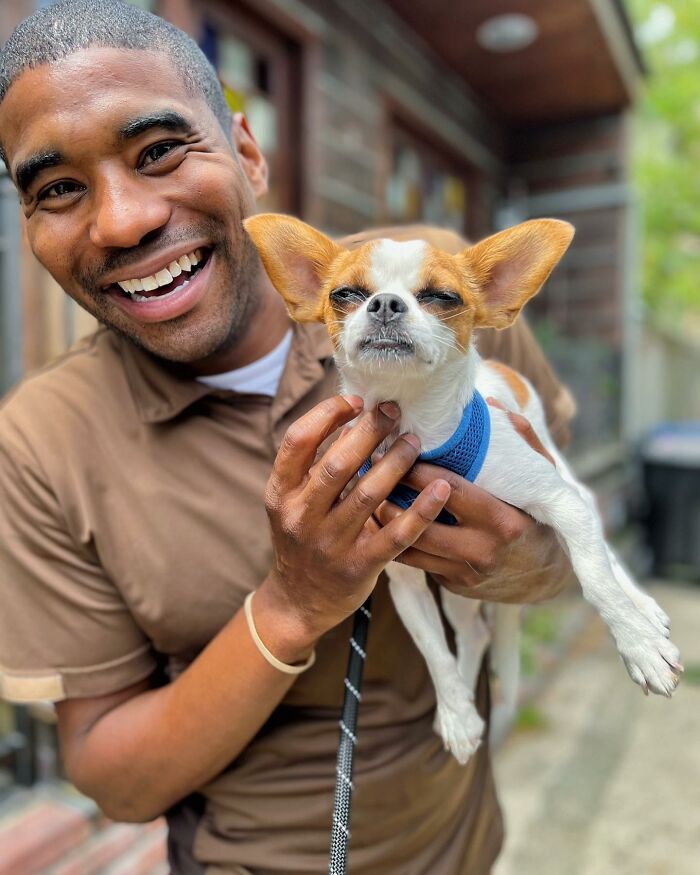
132 521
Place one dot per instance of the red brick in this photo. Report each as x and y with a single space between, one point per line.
146 856
101 849
39 836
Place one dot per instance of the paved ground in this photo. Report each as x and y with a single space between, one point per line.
610 784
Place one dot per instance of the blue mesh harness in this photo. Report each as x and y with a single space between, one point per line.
463 453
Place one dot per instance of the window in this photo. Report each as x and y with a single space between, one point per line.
258 68
426 185
578 319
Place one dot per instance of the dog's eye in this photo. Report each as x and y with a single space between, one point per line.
438 296
349 295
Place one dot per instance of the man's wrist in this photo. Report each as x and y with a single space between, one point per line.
282 627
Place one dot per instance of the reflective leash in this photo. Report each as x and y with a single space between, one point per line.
340 831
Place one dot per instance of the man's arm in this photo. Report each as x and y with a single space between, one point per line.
139 751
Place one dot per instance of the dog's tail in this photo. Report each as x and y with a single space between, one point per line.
505 660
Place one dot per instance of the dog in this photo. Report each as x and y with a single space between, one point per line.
401 316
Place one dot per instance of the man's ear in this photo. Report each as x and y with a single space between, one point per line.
249 155
297 259
510 267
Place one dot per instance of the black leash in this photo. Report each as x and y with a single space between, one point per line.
340 831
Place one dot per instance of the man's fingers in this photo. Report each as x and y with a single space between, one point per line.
372 489
524 428
454 543
339 464
303 438
472 506
444 570
467 502
403 531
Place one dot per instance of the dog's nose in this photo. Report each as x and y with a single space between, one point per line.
385 308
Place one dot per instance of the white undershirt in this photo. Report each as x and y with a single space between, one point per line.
260 377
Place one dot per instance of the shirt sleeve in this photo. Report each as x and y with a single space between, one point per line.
65 631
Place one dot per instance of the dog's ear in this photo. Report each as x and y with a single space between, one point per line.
297 259
508 268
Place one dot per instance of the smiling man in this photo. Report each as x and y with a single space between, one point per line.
169 465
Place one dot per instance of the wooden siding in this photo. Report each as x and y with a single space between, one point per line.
577 172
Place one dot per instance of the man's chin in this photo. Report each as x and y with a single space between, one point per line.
178 346
185 342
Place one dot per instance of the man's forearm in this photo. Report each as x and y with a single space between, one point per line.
149 751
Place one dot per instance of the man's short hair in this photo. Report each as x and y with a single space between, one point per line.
54 32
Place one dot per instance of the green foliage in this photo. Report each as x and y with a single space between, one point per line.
530 718
691 675
540 624
666 154
539 630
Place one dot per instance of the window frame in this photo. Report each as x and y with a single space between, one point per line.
286 55
401 125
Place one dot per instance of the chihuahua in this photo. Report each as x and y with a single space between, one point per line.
402 317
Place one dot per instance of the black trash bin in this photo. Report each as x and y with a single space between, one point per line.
671 456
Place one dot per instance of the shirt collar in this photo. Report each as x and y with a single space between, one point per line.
161 390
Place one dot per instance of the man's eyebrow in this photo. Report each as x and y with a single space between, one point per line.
168 119
27 170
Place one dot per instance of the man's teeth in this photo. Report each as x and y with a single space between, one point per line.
162 278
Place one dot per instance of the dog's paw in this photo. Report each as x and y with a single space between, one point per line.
652 660
460 728
657 616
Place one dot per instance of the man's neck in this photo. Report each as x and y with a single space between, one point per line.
265 331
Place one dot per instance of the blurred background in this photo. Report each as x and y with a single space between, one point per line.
475 115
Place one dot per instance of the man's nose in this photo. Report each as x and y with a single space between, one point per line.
385 308
124 213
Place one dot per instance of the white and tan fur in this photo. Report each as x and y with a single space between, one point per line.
423 358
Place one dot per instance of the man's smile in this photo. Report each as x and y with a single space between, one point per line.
171 291
145 285
160 273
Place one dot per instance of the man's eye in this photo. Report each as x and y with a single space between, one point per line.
349 295
154 153
438 296
58 189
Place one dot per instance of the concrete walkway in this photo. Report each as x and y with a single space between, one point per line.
610 785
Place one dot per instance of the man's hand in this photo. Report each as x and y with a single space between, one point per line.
327 555
496 552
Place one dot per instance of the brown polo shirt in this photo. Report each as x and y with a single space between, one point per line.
131 528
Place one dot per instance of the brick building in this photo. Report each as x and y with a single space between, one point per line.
473 115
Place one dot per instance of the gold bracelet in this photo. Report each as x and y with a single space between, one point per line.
276 663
